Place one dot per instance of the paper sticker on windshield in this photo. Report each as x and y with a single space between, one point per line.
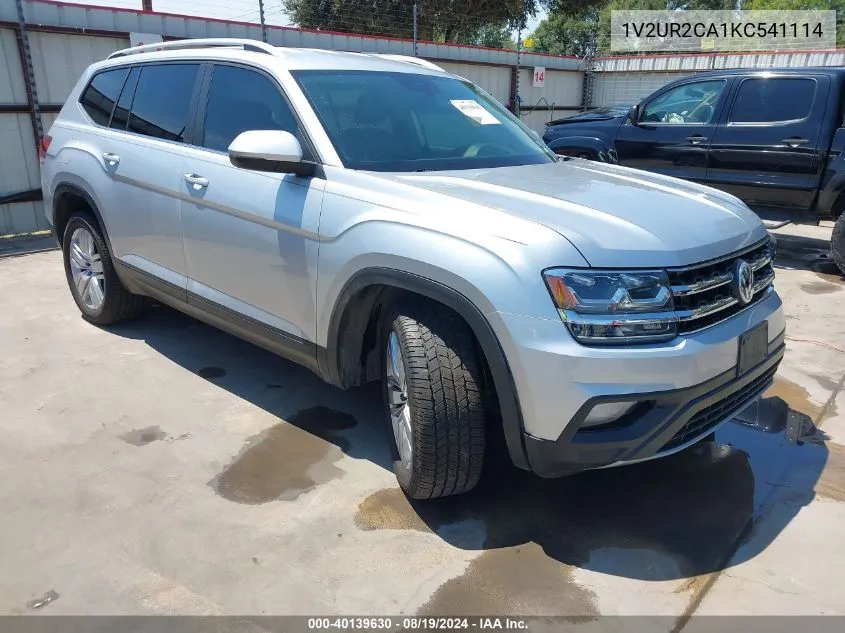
475 111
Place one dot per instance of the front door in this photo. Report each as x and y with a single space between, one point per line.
768 153
674 131
250 237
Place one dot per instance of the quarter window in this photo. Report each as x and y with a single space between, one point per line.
100 95
688 103
162 101
240 100
774 99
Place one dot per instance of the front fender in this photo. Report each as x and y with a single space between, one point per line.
596 147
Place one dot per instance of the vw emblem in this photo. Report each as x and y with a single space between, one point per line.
743 281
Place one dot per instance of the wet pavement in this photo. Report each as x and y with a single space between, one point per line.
162 466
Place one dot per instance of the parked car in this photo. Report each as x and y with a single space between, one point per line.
378 219
774 138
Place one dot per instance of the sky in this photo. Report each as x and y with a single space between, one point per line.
243 10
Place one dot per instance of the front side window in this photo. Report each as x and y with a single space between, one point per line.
394 121
240 100
767 100
688 103
99 97
162 101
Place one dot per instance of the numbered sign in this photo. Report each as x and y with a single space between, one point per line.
539 76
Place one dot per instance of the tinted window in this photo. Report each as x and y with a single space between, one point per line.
100 95
768 100
162 100
241 100
688 103
121 112
393 121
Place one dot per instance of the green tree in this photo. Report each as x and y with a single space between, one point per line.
466 21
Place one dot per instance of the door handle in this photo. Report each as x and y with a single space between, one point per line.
695 139
196 180
111 159
794 141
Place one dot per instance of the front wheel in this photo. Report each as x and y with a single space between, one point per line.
433 400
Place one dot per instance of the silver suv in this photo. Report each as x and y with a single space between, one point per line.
375 218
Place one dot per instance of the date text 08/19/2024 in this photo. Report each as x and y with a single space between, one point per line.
416 623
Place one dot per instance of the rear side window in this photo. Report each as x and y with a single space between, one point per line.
240 100
99 97
162 101
774 99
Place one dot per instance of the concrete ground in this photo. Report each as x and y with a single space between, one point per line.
164 467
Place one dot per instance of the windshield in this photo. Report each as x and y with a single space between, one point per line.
389 121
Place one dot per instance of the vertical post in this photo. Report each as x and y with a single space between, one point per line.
516 101
147 5
415 29
263 24
29 76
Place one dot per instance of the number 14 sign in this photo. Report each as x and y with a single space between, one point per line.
539 76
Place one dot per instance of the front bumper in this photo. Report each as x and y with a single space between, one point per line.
667 422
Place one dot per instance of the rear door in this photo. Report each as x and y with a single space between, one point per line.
145 160
767 152
675 129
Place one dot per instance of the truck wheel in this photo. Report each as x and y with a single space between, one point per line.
837 243
433 399
91 276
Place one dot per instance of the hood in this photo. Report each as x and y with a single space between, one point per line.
615 216
596 114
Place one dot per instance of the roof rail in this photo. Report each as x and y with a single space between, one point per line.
409 60
208 42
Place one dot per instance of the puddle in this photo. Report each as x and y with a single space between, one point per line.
388 509
820 287
42 601
796 396
142 437
286 460
831 484
520 580
211 372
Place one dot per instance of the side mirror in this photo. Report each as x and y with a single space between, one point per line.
634 114
269 150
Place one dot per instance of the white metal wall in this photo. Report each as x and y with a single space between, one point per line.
611 88
59 59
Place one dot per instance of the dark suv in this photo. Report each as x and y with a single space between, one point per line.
773 138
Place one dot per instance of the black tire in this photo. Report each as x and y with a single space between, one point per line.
444 375
837 243
118 304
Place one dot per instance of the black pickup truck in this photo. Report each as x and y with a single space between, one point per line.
774 138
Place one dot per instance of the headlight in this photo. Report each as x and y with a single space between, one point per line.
614 307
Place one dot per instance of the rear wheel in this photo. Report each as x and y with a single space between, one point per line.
433 399
837 243
91 276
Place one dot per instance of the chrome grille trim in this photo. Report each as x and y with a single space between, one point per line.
703 294
701 286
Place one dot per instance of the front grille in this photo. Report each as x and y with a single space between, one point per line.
711 416
704 294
